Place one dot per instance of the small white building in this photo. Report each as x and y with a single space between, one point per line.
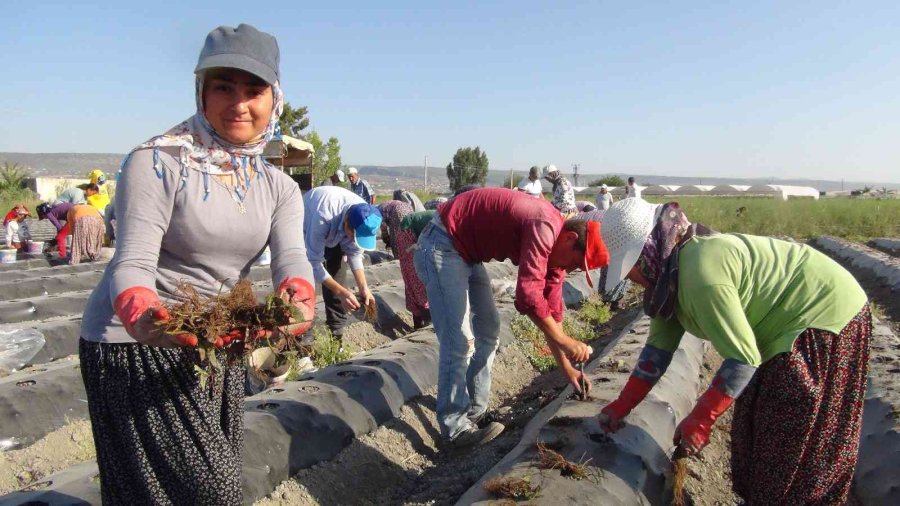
783 191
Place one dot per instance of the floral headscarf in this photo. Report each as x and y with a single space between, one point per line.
659 259
564 196
204 150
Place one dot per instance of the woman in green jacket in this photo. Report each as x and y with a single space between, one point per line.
793 327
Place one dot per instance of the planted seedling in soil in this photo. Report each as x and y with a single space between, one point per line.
550 459
371 312
679 463
519 489
231 325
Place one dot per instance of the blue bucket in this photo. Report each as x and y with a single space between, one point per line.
7 256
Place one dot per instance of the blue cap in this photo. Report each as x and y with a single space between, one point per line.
365 220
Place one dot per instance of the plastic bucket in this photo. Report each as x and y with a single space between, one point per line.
7 256
36 247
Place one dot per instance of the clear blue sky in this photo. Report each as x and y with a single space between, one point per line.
753 89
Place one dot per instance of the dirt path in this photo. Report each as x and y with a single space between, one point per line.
58 450
709 474
401 462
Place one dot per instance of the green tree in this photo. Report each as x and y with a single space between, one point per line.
327 158
608 181
12 176
516 179
319 158
293 121
470 166
333 152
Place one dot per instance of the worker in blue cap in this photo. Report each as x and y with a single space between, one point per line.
339 223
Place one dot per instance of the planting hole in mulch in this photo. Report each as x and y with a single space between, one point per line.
305 378
600 437
601 379
511 488
268 406
26 383
309 389
372 362
276 390
577 396
348 374
564 421
399 353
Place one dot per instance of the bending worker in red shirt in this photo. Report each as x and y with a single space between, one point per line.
496 224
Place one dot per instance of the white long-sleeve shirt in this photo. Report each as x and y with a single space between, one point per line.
323 227
532 188
16 232
604 200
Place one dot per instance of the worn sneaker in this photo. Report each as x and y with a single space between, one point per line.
476 437
481 421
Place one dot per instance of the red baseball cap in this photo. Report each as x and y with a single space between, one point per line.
595 253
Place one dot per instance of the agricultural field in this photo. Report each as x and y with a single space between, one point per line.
858 219
362 428
800 219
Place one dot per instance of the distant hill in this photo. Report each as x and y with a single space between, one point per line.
411 177
65 164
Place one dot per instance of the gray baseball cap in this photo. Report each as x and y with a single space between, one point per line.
244 48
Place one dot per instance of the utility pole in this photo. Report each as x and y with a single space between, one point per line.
510 178
426 172
575 169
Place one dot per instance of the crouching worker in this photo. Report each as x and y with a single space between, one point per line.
86 227
197 204
338 222
793 327
480 226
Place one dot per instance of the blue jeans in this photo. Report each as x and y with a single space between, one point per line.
467 325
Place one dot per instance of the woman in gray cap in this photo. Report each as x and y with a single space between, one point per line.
196 204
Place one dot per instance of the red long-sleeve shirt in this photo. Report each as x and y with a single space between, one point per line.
498 224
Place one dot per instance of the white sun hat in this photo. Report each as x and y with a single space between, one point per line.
550 169
626 226
352 170
340 175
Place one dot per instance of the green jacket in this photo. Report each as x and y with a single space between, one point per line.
417 221
752 296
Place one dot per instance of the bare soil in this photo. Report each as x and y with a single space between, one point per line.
58 450
709 474
362 336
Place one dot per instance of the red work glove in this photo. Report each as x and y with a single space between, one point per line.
139 309
302 295
612 416
693 432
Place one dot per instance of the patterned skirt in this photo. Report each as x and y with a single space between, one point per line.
87 238
614 295
795 434
416 299
160 437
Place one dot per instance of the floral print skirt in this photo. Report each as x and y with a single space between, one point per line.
161 438
795 434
